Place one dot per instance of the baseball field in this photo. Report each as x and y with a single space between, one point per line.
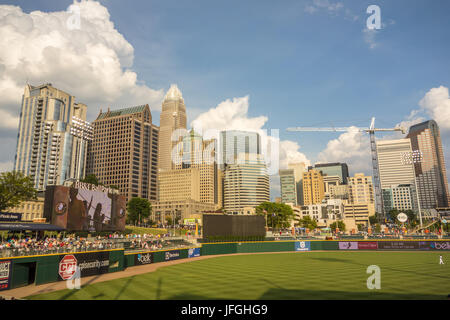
308 275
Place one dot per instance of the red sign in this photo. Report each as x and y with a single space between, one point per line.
67 267
367 245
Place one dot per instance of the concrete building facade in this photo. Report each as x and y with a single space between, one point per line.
53 136
124 151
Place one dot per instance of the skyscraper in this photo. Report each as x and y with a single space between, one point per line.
394 165
430 170
246 183
173 117
288 186
124 152
333 169
298 168
313 187
53 136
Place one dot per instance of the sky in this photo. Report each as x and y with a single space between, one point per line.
239 64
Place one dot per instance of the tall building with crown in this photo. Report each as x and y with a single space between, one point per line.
173 117
53 136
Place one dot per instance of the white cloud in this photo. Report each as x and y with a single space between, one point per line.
6 166
351 147
93 63
324 4
232 114
436 103
369 37
8 121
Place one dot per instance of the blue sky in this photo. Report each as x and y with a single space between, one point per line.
302 63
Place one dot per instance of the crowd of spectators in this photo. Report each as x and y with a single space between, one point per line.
33 246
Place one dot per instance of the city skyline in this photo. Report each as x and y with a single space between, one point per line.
250 103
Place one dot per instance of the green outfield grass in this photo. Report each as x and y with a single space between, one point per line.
311 275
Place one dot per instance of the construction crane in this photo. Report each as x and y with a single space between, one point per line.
371 130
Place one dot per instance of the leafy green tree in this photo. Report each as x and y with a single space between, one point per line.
393 213
91 178
169 220
340 225
278 215
377 228
138 209
373 219
308 223
360 227
15 187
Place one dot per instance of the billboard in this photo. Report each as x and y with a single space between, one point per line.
9 216
172 255
348 245
194 252
441 245
398 245
302 246
5 274
367 245
78 209
143 258
89 264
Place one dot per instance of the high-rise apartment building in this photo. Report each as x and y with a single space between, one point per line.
299 168
288 186
395 164
246 183
313 187
124 151
431 173
173 117
361 191
401 197
53 136
333 169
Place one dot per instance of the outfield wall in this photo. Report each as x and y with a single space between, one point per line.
39 269
20 271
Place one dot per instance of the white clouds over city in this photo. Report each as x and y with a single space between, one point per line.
92 62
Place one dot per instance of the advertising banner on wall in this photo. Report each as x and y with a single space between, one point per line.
302 246
194 252
441 245
143 258
89 264
172 255
398 245
367 245
5 274
348 245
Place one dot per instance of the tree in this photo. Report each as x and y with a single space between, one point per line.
340 225
373 219
169 220
308 223
278 215
393 213
377 228
138 209
15 187
360 227
91 178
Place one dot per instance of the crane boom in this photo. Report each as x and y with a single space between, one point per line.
371 130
